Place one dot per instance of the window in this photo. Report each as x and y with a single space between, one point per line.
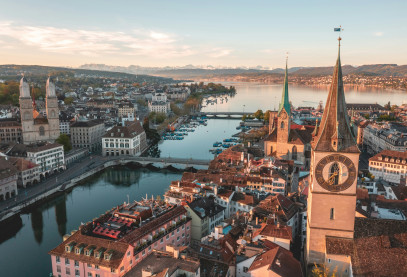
41 131
122 269
58 259
90 265
66 261
245 269
76 264
112 270
77 272
334 174
89 274
58 268
332 214
96 266
68 271
282 125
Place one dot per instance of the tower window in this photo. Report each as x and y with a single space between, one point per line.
294 152
334 174
42 131
332 214
282 125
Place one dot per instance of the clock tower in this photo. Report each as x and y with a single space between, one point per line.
284 113
333 175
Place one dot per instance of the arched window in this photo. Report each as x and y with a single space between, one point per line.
282 125
334 174
294 152
271 149
42 131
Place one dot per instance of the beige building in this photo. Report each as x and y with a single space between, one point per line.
285 140
125 109
390 166
87 134
10 131
36 127
8 179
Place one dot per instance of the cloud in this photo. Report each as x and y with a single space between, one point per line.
219 52
268 51
96 42
378 34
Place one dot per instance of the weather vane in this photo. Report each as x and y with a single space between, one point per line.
340 30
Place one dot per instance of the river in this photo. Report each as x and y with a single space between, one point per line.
25 243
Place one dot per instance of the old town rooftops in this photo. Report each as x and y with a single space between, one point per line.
7 169
131 130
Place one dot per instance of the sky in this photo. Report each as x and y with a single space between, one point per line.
231 33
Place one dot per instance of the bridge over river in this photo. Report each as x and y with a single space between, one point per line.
161 162
236 115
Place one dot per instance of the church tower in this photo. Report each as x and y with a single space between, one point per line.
284 113
52 110
333 176
26 112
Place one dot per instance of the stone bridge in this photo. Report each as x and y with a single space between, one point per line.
223 114
161 162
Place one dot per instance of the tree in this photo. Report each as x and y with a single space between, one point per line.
266 116
68 100
323 271
388 106
259 114
65 141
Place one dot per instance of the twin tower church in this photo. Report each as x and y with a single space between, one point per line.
331 153
35 126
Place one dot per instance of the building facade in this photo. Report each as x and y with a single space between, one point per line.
390 136
36 127
159 103
10 131
125 140
390 166
125 109
87 134
8 179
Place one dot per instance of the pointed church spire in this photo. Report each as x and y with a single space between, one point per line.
285 101
334 132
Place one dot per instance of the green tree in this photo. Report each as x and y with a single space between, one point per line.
267 116
259 114
65 141
68 100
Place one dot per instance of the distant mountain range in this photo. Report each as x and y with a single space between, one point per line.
196 72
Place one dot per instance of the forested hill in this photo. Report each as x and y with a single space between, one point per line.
13 72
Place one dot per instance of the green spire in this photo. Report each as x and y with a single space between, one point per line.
285 102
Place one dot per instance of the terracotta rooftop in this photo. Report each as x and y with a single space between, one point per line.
278 260
129 131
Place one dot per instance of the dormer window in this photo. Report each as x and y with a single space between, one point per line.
112 134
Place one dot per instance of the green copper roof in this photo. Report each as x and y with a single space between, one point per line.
285 101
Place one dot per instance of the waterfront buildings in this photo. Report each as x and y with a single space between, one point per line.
36 127
48 156
10 130
390 166
28 172
116 242
125 140
8 179
87 134
159 103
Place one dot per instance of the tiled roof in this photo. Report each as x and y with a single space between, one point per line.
278 260
339 246
272 230
7 169
208 204
22 164
22 149
89 123
118 250
129 131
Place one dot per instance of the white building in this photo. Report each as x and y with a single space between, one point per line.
28 172
125 140
390 166
159 103
390 136
49 156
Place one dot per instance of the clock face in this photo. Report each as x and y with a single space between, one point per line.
283 115
335 172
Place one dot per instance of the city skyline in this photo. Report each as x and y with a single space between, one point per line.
229 34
